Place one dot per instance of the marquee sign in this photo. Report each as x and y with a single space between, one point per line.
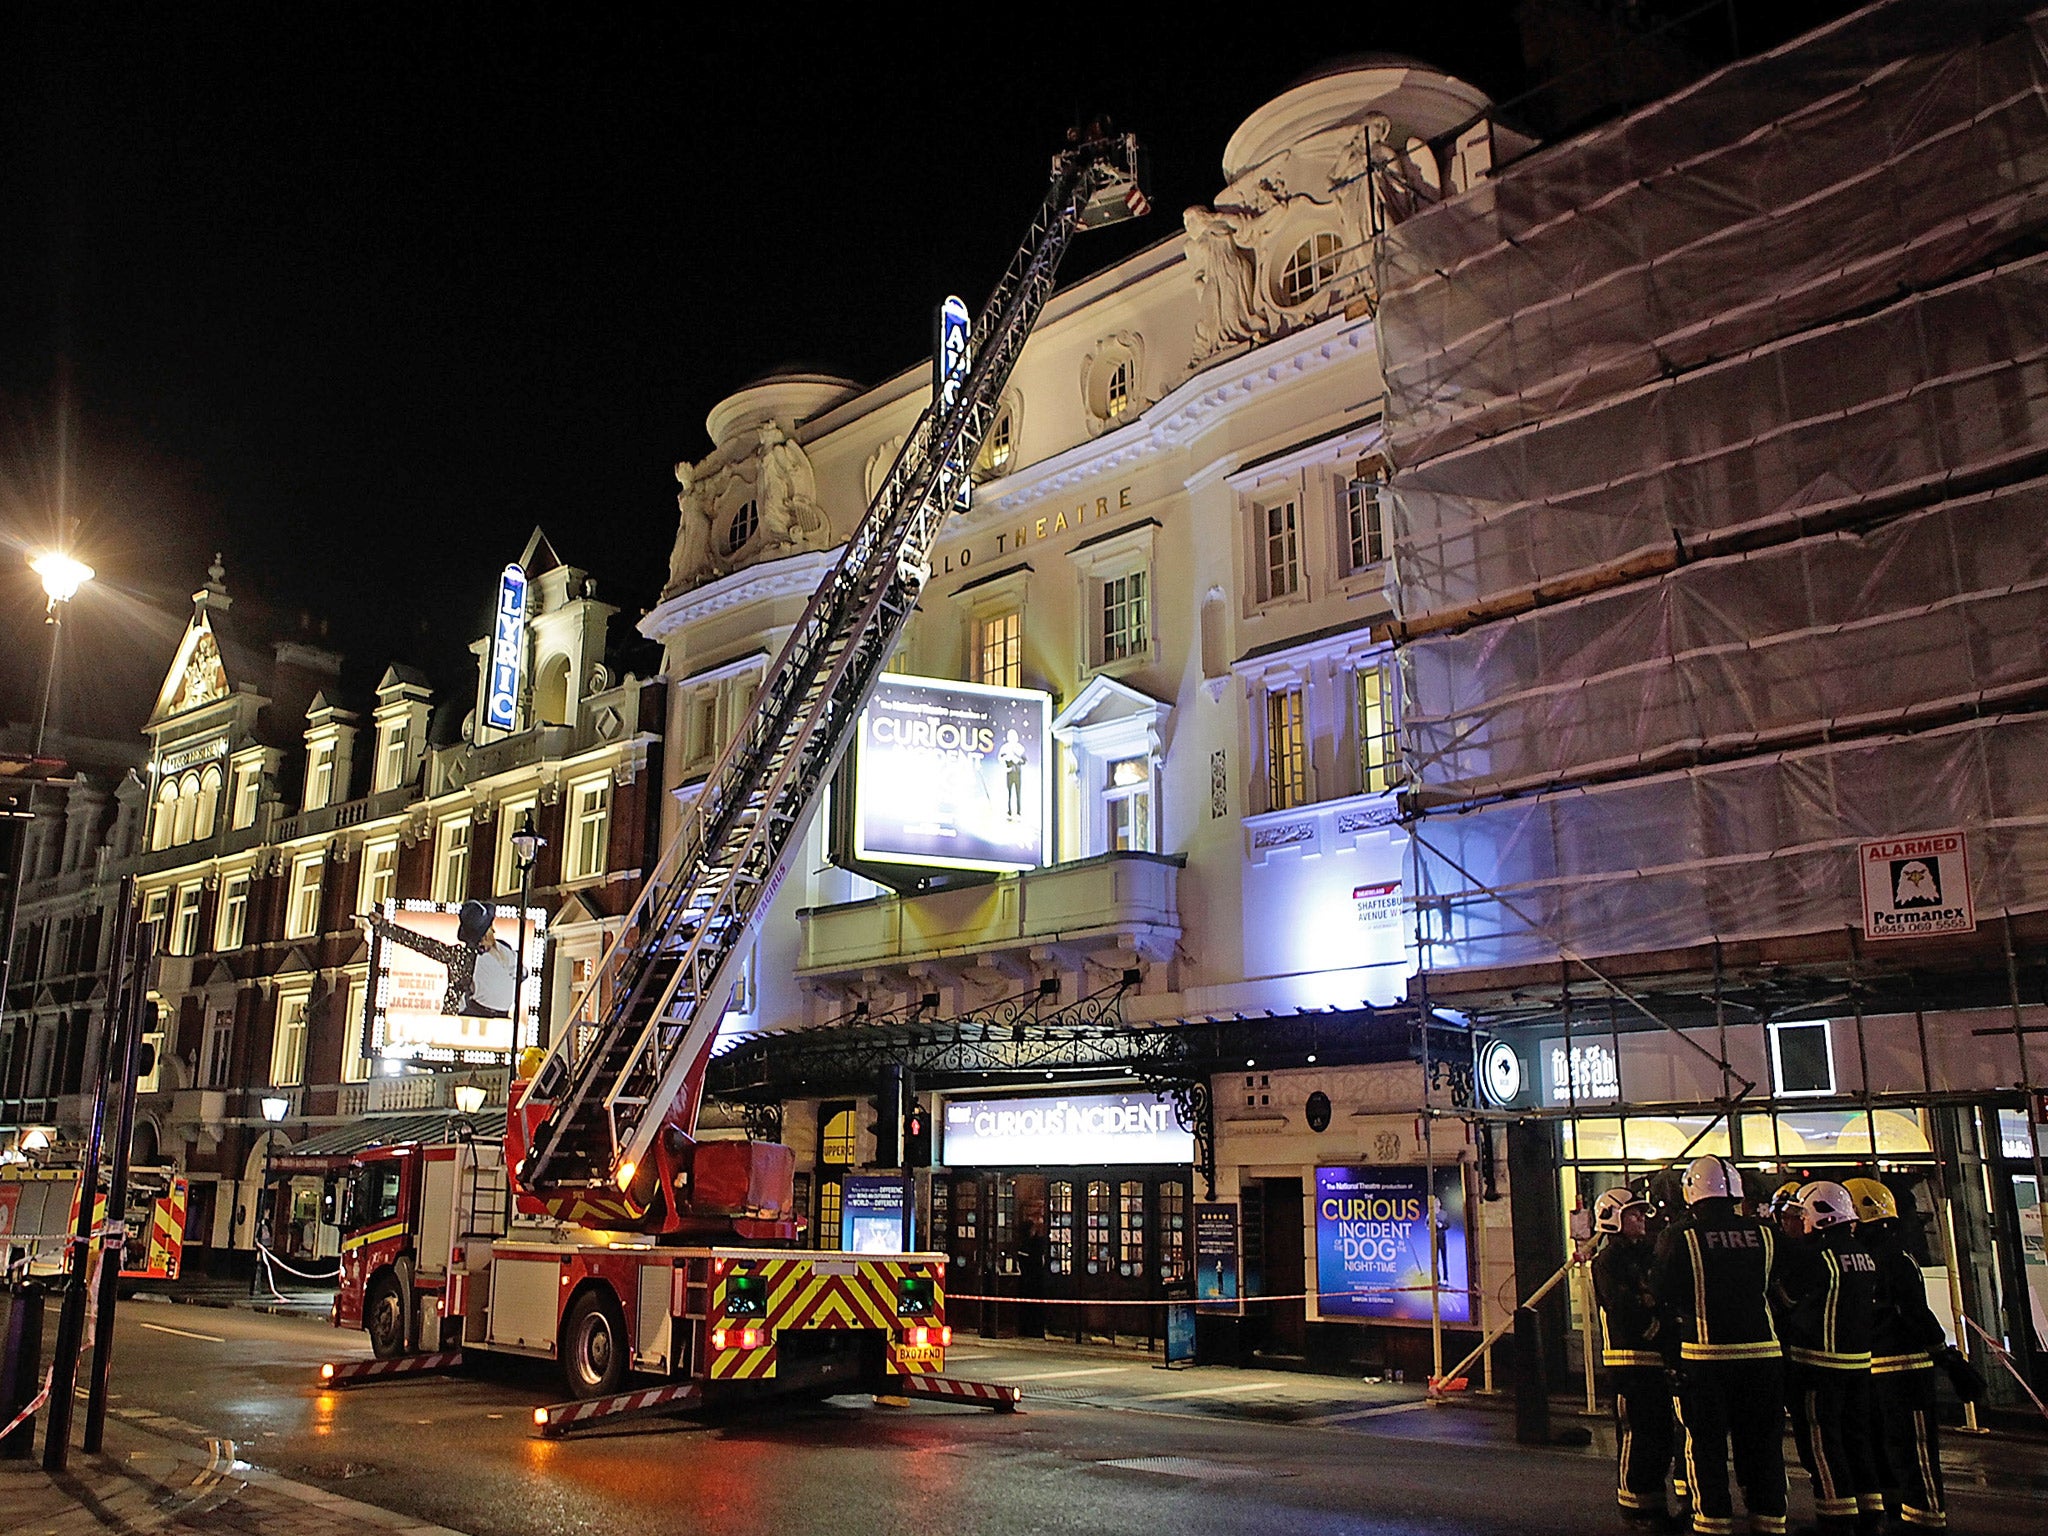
950 362
953 776
1373 1241
508 652
1075 1128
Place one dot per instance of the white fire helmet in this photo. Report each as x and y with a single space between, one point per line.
1711 1178
1613 1205
1824 1204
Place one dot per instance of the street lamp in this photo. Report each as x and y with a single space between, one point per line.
62 575
526 846
470 1095
275 1108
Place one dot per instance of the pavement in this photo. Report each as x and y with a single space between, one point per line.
218 1425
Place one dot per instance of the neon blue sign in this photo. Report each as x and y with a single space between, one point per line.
508 652
950 362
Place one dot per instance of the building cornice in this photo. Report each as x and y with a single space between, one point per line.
792 575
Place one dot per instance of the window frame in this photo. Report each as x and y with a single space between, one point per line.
183 936
289 1030
1323 266
575 822
1363 532
322 758
368 899
452 857
300 924
1126 610
1376 727
217 1047
1277 549
1106 559
231 917
355 1066
245 779
1005 649
392 739
1289 777
505 862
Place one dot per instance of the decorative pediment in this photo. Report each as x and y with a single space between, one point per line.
1105 702
197 676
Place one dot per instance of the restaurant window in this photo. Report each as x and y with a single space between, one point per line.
231 926
1379 748
184 938
1099 1233
1059 1209
451 860
838 1136
1286 748
589 816
1173 1231
302 905
999 649
1130 1236
288 1044
380 875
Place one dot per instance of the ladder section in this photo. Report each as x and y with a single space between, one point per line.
669 973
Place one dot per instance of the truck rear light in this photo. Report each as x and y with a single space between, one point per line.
946 1334
718 1338
540 1417
327 1372
750 1338
918 1335
624 1177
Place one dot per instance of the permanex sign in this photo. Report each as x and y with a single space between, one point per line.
1916 887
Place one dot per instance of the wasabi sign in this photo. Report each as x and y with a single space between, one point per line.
1372 1244
508 652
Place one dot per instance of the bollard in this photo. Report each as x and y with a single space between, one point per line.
1532 1390
21 1367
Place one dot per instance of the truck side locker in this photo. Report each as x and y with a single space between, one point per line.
652 1332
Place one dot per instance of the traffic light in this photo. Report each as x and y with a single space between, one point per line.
917 1137
890 1100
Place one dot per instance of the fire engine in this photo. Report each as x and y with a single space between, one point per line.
39 1212
602 1233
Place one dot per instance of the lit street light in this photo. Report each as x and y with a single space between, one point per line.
275 1108
526 846
62 576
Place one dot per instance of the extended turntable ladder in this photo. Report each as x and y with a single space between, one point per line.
665 980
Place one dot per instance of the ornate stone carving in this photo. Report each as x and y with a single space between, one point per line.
791 518
692 552
1226 287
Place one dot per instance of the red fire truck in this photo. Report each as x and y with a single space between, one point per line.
602 1233
431 1264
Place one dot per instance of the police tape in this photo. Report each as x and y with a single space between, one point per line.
302 1274
34 1407
1220 1301
2004 1358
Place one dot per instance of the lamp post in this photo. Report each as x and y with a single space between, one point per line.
275 1108
62 575
526 847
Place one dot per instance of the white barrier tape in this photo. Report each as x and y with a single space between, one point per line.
1216 1301
35 1406
271 1258
1999 1353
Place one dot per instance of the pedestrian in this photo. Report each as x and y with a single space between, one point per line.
1829 1286
1904 1334
1712 1277
1033 1250
1643 1424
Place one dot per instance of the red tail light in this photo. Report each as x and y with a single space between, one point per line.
750 1338
718 1338
946 1334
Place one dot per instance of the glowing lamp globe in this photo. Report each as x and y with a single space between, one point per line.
61 575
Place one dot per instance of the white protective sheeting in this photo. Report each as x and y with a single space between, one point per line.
1721 473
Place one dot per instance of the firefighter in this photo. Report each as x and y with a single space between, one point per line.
1903 1336
1712 1278
1642 1397
1828 1284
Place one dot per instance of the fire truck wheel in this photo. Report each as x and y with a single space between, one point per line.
384 1319
594 1346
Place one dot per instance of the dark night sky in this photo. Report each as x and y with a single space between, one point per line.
359 294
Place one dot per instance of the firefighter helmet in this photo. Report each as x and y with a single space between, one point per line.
1711 1178
1824 1204
1613 1205
1874 1202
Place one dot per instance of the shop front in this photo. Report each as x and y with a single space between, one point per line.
1069 1214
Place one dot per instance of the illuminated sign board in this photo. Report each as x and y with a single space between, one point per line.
1372 1244
950 362
1583 1072
1074 1128
442 978
871 1214
508 652
953 776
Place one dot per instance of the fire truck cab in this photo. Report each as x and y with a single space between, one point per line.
431 1262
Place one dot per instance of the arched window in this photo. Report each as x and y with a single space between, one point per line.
998 446
188 809
1117 394
551 692
742 527
1313 264
209 804
165 825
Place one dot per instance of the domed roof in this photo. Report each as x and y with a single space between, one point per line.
1421 100
789 395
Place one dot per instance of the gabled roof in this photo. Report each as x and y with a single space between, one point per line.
198 676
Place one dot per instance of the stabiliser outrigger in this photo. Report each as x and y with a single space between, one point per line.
602 1234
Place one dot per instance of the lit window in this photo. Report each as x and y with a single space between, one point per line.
997 447
391 757
216 1060
589 822
209 804
1364 522
506 866
1127 805
1286 750
1116 397
187 818
1100 1239
1313 264
451 860
184 938
1059 1212
742 527
380 875
156 905
838 1141
302 904
1173 1230
355 1066
231 925
1280 544
828 1213
165 824
153 1047
288 1044
1124 627
320 776
999 649
1130 1246
248 785
1379 749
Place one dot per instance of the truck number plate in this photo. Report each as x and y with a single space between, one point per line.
919 1354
